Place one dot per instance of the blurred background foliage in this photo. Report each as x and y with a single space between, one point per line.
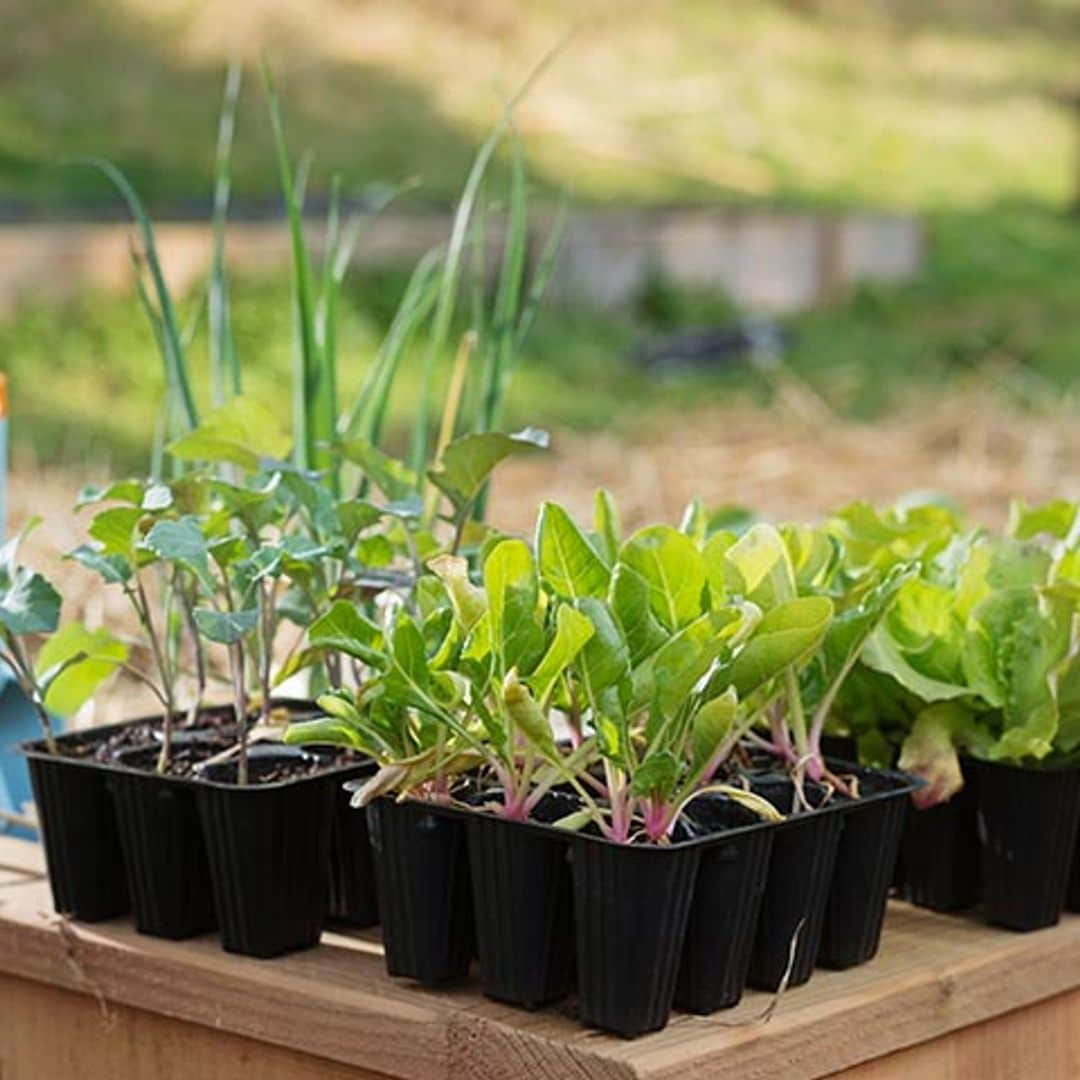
954 110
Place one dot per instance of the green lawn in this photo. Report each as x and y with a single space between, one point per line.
997 302
899 102
946 109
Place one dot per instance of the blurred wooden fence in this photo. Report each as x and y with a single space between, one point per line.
764 260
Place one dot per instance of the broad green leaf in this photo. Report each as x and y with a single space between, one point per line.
714 552
326 731
526 715
128 491
467 462
759 566
1056 518
158 497
182 542
672 568
711 725
513 593
813 555
392 477
225 627
785 636
606 525
114 530
29 604
668 676
344 629
468 601
568 563
605 660
572 631
241 432
114 569
68 685
883 653
630 600
656 776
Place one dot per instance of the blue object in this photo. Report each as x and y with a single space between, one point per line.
18 723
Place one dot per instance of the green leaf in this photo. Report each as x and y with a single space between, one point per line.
28 603
607 525
69 683
344 629
241 432
114 569
760 567
672 568
469 602
568 563
672 671
572 631
711 725
226 627
114 530
513 592
656 776
182 543
786 635
883 653
466 463
526 715
630 600
392 477
605 660
1056 518
326 731
129 491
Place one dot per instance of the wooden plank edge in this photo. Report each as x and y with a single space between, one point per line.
385 1033
873 1022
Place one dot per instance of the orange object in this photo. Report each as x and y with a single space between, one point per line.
3 396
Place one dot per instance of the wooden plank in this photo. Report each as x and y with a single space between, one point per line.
1042 1040
934 975
126 1042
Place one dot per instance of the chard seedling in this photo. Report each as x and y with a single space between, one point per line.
662 681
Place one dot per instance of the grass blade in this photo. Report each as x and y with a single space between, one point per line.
224 363
308 386
449 286
172 350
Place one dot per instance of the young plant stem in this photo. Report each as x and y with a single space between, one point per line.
199 655
266 646
236 663
24 676
142 609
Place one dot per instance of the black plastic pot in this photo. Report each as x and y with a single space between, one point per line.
1072 896
631 906
800 873
724 914
939 852
425 897
164 850
523 910
352 891
1027 823
268 846
79 831
865 862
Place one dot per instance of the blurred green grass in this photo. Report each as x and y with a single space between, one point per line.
996 303
947 109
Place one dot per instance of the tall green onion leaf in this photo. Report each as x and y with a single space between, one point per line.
172 350
224 361
311 387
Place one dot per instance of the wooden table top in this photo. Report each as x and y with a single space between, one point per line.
934 974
